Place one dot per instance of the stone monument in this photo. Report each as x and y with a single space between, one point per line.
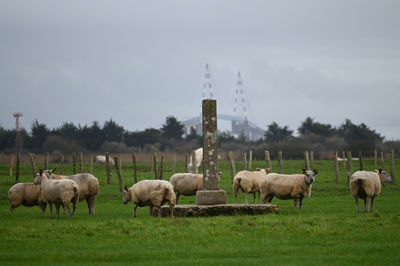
211 194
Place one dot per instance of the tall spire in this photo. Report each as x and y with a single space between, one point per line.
240 99
208 86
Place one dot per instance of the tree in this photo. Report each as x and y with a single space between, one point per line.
172 128
112 131
192 135
309 126
39 133
275 133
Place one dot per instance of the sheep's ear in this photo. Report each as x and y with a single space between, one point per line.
268 169
126 188
304 171
52 171
315 171
380 170
258 169
40 171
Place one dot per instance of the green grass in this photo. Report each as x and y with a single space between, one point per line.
326 231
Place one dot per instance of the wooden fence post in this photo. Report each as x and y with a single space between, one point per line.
108 168
174 163
80 157
268 158
307 160
11 165
46 160
118 170
250 159
232 163
74 161
91 164
17 168
382 161
194 166
134 168
155 165
392 164
33 164
336 167
375 157
360 158
244 161
160 174
61 164
349 166
151 164
280 164
344 159
186 163
311 159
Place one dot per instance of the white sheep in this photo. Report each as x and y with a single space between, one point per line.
249 182
27 194
367 185
101 159
89 187
186 184
199 158
296 187
60 192
153 193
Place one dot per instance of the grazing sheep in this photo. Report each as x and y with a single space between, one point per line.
88 186
27 194
153 193
60 192
249 182
296 187
366 185
186 184
101 159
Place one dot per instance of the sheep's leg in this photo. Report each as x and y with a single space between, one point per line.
235 194
11 208
301 203
51 210
259 201
151 210
295 203
58 210
372 204
134 211
89 205
245 197
159 211
356 198
43 207
366 205
254 198
177 197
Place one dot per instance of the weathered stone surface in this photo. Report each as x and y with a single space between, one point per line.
210 197
210 145
216 210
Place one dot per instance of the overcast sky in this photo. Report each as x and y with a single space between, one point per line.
140 61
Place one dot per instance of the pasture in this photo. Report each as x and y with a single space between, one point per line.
326 231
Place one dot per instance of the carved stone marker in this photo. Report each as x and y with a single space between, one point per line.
211 194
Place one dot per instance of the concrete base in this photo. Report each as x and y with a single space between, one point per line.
215 210
210 197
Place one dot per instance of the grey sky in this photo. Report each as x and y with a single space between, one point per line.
139 61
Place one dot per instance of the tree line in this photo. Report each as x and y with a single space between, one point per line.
112 137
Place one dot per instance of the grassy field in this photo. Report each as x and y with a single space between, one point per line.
326 231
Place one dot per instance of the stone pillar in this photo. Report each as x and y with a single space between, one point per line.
210 195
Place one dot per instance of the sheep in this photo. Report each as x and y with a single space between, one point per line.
249 182
296 187
88 186
101 159
199 158
60 192
27 194
186 184
153 193
367 185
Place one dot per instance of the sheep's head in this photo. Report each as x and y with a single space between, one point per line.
385 177
170 196
126 197
39 177
49 172
310 175
265 170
